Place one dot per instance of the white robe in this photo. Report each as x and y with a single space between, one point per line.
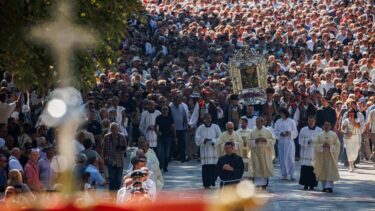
208 151
307 135
352 143
251 122
286 145
148 119
245 134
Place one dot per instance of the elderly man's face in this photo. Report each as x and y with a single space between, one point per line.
230 128
114 128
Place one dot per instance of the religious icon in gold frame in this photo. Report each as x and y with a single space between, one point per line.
248 71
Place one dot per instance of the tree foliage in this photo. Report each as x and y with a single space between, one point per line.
32 65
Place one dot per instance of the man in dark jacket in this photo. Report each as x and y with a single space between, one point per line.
230 166
325 113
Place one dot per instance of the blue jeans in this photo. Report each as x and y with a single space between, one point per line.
115 177
164 147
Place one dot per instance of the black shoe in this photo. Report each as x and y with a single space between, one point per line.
263 187
213 185
305 187
330 190
206 187
324 190
311 188
165 170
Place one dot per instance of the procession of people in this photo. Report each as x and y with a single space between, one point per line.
169 97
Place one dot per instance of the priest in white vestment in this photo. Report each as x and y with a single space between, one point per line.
230 136
306 139
326 154
286 132
262 153
206 137
244 132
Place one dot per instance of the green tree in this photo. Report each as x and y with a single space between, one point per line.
32 65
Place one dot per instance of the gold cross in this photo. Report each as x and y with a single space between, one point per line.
63 37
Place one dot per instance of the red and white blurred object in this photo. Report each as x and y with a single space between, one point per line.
242 195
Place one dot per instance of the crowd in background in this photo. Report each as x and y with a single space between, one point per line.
321 62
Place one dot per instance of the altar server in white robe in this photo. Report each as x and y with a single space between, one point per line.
250 116
147 124
306 139
244 132
206 137
286 132
262 153
326 154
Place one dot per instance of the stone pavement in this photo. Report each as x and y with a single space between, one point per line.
354 191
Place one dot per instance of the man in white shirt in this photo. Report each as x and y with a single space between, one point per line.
328 84
14 162
311 43
316 86
5 108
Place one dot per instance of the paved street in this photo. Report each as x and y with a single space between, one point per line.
354 191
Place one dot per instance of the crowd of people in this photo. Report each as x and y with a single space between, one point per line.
170 95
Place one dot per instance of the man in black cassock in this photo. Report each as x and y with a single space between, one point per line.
230 166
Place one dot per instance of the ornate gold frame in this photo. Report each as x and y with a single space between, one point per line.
245 60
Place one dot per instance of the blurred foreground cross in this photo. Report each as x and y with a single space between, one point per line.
63 37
